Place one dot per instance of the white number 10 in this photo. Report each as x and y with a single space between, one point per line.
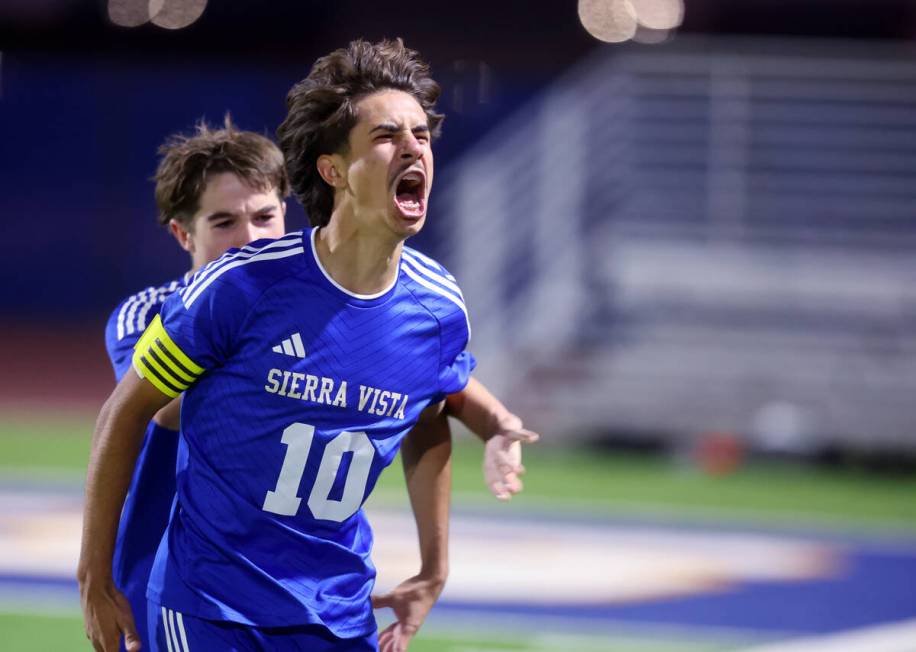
298 439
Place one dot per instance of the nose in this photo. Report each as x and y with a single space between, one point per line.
251 232
246 234
412 148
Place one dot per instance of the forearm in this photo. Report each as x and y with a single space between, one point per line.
426 454
480 411
170 416
115 445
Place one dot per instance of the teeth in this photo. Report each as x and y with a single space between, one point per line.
409 204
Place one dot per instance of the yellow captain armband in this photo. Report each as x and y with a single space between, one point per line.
158 359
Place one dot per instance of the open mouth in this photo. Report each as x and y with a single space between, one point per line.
410 194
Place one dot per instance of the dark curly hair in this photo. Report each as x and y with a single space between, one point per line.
322 110
187 161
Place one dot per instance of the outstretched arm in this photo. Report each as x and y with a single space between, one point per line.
115 446
502 432
426 454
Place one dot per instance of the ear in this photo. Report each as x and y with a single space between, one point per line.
330 168
182 235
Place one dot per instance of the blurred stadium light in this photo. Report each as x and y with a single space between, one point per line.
129 13
675 240
611 21
170 14
616 21
176 14
659 14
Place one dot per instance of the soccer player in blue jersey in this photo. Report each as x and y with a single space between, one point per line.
373 316
217 189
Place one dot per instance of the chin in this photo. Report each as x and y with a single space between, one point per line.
407 226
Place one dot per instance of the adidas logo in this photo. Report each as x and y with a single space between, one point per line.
291 346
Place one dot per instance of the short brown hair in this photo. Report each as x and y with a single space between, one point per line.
322 110
187 161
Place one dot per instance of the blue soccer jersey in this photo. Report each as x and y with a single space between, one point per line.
152 488
128 321
297 395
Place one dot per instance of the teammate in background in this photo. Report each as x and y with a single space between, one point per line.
231 186
218 189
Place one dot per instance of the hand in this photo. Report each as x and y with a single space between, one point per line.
502 460
411 601
107 615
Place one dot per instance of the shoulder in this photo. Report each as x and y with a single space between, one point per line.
434 287
249 271
133 314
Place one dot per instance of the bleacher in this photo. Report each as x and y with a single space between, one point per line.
699 238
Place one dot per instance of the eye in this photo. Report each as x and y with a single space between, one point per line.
223 224
264 218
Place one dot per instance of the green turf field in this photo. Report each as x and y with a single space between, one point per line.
565 479
559 480
31 633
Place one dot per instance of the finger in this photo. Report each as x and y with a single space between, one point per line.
382 602
97 638
408 631
104 634
401 638
126 624
384 638
514 485
132 642
387 640
522 435
507 461
110 636
405 643
498 490
494 471
131 637
108 643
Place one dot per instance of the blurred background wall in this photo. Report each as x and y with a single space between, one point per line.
707 227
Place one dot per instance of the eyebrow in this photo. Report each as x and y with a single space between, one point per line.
388 126
219 215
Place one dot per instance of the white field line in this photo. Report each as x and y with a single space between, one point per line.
555 642
895 637
512 628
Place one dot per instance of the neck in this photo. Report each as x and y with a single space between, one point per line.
363 262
